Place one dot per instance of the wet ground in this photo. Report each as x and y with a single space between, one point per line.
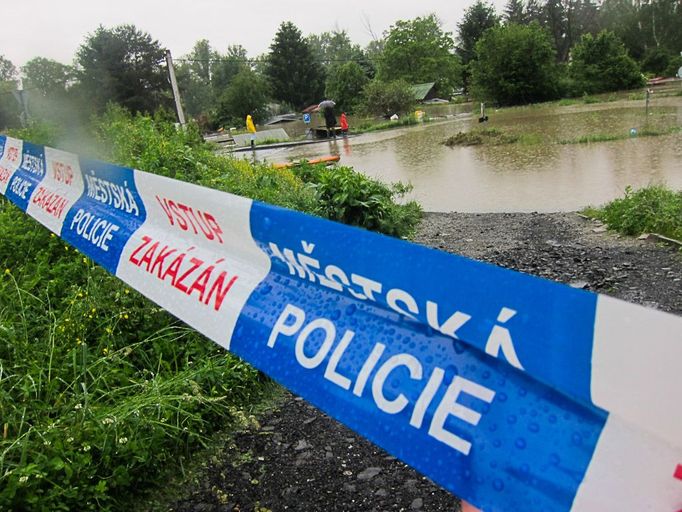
296 458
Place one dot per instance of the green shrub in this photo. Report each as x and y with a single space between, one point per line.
602 64
387 98
352 198
653 209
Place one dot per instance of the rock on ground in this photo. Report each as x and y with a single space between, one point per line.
300 459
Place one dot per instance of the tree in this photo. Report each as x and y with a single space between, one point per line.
514 12
122 65
418 51
47 76
601 64
9 108
477 19
228 67
344 85
387 98
194 73
8 72
248 93
335 48
294 75
515 65
567 21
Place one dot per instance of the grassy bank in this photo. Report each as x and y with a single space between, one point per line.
101 391
653 209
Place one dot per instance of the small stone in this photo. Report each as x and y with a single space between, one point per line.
369 473
643 236
417 503
579 284
600 229
381 492
302 445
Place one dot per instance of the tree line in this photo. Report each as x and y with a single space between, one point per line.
533 51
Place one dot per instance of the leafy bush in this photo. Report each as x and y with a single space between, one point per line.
601 64
387 98
653 209
352 198
515 65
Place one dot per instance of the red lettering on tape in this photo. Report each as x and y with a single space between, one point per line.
188 274
188 219
678 472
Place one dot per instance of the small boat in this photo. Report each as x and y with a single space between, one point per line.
322 160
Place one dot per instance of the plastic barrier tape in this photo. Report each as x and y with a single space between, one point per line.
511 391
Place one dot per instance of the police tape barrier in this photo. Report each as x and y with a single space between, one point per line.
511 391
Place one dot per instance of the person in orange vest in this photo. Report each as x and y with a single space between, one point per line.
344 123
252 130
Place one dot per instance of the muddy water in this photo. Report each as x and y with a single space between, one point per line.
539 174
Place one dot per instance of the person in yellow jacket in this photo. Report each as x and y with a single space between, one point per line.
252 129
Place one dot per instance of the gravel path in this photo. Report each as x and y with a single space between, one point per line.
299 459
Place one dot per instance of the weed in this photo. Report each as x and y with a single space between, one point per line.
653 209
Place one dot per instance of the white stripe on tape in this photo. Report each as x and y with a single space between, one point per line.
636 366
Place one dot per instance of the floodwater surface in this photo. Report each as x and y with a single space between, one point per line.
537 174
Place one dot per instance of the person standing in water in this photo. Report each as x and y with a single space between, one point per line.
330 120
344 123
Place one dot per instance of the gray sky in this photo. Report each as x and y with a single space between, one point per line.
56 28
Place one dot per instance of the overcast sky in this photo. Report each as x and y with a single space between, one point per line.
56 28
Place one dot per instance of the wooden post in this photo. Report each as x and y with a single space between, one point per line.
176 91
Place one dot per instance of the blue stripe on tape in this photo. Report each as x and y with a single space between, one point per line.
110 210
481 429
30 173
545 327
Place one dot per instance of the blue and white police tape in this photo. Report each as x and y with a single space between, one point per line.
509 390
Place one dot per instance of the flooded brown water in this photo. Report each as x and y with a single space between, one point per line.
537 174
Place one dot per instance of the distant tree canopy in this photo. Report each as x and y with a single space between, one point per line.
335 48
645 28
9 108
344 85
123 65
8 72
477 19
195 73
419 51
126 66
601 64
248 93
47 76
515 64
295 76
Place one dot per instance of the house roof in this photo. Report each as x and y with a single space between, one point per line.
421 90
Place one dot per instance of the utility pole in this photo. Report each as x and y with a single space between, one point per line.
176 91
